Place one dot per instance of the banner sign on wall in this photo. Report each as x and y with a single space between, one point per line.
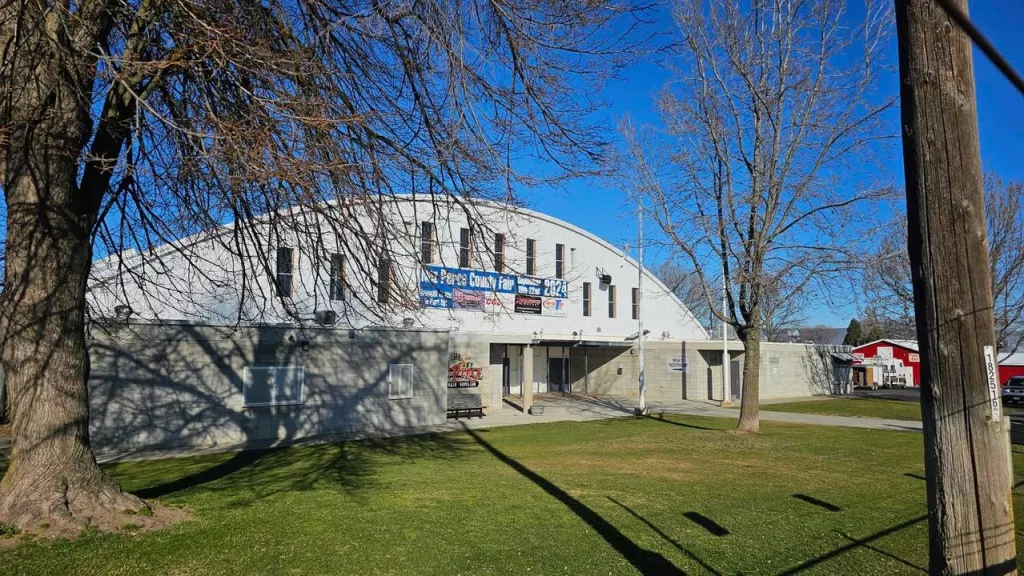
557 307
467 300
462 373
549 287
483 291
439 278
528 304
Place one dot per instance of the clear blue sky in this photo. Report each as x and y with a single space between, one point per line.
600 209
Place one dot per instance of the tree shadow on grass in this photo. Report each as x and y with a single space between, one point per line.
251 475
667 538
855 544
236 462
661 418
645 561
877 550
714 528
817 502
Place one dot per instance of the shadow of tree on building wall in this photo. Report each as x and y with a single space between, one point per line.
155 388
825 376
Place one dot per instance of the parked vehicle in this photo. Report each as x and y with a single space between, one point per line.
1013 390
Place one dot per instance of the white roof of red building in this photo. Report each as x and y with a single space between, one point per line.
1011 359
907 344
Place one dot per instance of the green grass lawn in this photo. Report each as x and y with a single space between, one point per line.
619 496
864 407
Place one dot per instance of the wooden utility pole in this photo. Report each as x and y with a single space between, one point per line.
967 450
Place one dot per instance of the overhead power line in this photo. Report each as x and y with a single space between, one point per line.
982 42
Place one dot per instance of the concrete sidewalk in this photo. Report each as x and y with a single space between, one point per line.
704 409
580 408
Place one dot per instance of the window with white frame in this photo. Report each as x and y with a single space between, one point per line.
273 385
400 378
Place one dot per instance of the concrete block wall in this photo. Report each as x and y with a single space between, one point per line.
603 364
156 386
794 370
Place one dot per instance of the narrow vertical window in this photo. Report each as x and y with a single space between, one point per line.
499 252
427 242
284 272
337 289
586 298
636 303
384 281
611 301
531 257
465 248
559 260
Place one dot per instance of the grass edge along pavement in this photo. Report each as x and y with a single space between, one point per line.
622 496
853 407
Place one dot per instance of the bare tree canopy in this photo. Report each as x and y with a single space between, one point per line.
783 309
774 106
887 282
125 125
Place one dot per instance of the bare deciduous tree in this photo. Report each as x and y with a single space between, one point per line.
774 106
783 308
687 287
887 282
127 125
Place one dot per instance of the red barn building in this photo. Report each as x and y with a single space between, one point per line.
903 350
907 352
1010 365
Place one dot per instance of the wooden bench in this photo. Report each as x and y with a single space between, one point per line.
465 405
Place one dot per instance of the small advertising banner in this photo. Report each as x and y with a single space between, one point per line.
465 300
528 304
556 307
462 373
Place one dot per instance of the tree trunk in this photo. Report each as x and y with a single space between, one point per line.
52 474
750 409
967 451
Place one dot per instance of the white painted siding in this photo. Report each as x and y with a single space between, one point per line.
215 292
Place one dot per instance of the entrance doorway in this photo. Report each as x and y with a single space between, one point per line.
558 374
506 375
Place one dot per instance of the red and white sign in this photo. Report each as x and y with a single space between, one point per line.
462 373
